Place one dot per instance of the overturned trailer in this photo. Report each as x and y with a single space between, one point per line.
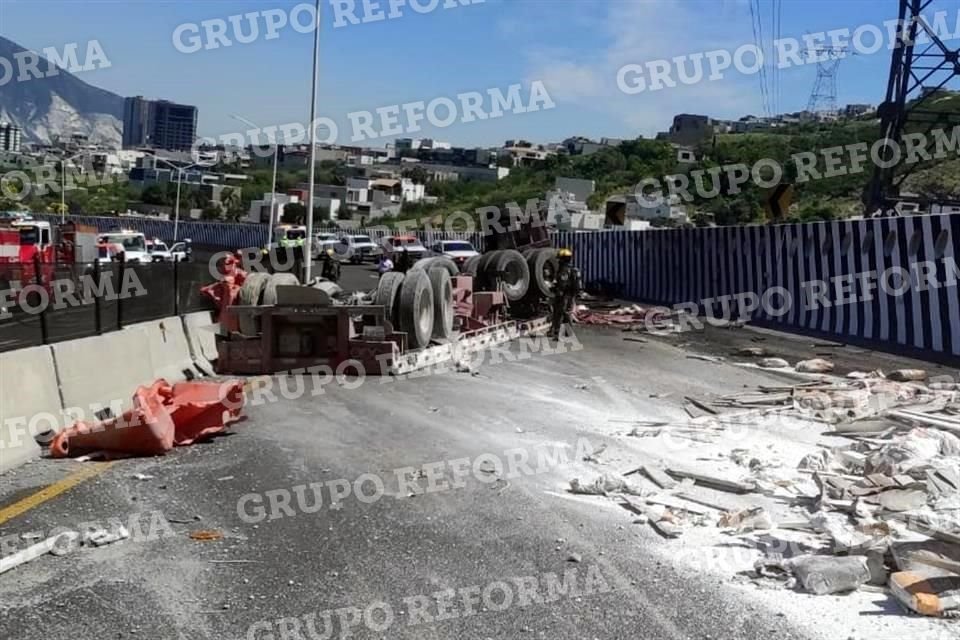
423 318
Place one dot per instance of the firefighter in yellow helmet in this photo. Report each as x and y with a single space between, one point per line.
566 286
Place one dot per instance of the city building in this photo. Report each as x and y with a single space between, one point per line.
259 212
689 129
9 137
854 110
159 124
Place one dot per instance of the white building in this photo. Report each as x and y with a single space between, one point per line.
260 209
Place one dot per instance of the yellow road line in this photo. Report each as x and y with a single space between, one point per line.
87 471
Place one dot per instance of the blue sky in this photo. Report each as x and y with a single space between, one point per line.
574 46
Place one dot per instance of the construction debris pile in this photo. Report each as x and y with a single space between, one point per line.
876 508
162 416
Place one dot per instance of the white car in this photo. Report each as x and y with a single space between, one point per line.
322 242
180 251
457 250
158 250
134 244
394 245
356 249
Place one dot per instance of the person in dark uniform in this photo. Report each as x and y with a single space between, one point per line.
403 262
330 266
566 286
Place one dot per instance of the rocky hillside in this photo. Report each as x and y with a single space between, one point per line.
59 103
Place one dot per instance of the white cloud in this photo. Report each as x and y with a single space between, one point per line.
639 32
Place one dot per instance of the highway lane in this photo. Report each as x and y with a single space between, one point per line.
350 553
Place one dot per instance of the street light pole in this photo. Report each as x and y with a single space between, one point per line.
273 192
63 191
308 244
273 186
176 207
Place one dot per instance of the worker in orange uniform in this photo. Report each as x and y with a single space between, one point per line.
566 287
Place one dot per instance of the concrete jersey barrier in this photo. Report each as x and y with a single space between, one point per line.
103 371
29 403
201 333
168 348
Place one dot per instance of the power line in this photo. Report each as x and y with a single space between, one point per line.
762 76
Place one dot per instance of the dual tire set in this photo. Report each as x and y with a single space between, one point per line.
420 302
526 276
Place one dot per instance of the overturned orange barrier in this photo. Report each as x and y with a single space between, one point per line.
203 409
146 429
163 416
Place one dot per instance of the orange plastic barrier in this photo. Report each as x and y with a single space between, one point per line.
203 409
162 416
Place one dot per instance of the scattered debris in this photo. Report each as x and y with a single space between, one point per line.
773 363
594 456
603 485
927 597
907 375
100 536
830 574
35 551
754 352
715 482
816 365
141 476
754 518
206 535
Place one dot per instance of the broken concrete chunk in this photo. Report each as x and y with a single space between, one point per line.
933 597
830 574
602 485
815 365
907 375
754 518
773 363
754 352
899 500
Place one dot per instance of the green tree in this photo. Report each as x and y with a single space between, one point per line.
154 194
211 211
232 203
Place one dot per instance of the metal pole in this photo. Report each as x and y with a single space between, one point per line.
308 243
273 191
176 208
63 190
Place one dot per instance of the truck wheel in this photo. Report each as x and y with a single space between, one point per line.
512 268
543 268
442 302
251 293
388 296
416 309
470 265
481 281
277 279
443 262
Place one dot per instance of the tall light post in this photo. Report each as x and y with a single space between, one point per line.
176 206
63 185
273 187
308 244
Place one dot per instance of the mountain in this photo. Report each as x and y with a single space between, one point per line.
57 104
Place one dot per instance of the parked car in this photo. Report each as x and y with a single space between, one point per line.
457 250
108 252
134 244
322 242
158 251
181 251
356 249
393 245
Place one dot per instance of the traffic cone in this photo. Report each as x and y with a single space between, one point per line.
203 409
146 429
